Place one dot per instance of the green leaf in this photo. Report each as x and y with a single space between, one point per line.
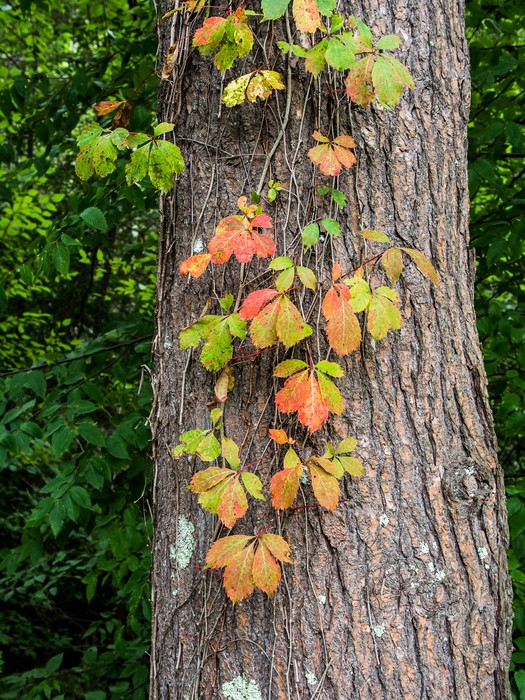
61 258
315 59
332 227
53 664
91 433
389 41
230 452
80 496
339 56
56 517
165 161
331 368
307 277
347 445
94 218
61 440
389 77
137 168
163 128
209 448
253 485
285 280
326 7
281 263
310 235
226 302
273 9
339 198
423 264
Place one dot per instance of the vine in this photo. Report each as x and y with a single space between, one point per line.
272 315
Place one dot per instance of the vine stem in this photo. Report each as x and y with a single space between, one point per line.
284 123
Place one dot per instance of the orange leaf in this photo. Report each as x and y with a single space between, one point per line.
279 436
285 484
237 235
331 156
313 411
222 551
325 486
196 265
238 576
103 108
266 570
263 329
306 15
393 263
278 546
289 398
233 503
206 479
343 329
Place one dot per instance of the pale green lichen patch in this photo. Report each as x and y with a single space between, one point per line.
310 678
185 543
241 688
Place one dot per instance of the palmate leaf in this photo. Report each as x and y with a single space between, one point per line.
309 393
99 149
237 235
381 304
228 37
252 86
246 568
221 490
274 317
331 156
342 328
217 332
379 76
202 443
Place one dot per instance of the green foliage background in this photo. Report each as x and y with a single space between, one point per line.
76 310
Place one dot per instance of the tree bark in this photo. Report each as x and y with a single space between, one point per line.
403 591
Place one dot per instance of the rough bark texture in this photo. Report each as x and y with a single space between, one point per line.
403 591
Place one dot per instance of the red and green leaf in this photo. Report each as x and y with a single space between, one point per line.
274 317
285 484
309 393
332 156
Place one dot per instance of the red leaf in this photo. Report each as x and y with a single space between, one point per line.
196 265
255 301
209 28
237 235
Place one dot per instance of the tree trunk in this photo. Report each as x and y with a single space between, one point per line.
402 591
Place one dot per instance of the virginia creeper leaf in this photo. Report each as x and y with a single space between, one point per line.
331 156
306 15
393 263
423 264
196 265
377 236
342 328
325 486
237 235
266 570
